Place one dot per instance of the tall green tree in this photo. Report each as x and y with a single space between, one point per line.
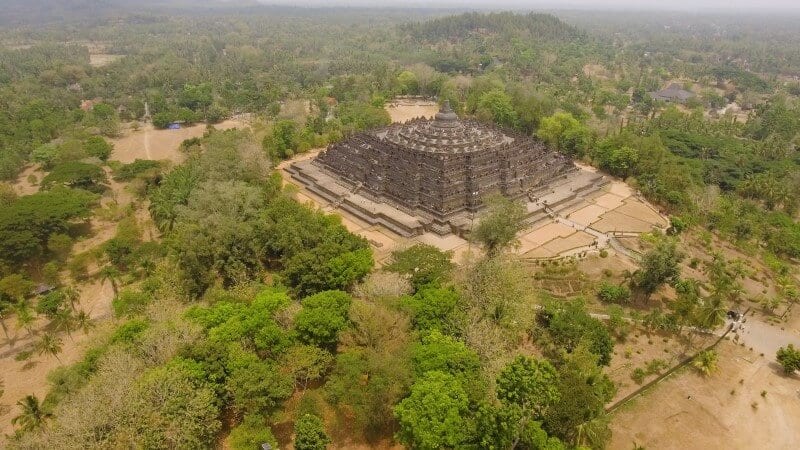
435 414
499 225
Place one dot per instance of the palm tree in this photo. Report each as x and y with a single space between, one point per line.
24 316
72 294
64 321
84 322
706 362
32 416
711 313
111 274
4 308
49 344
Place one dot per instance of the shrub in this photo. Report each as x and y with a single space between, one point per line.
310 434
638 375
130 303
612 293
251 433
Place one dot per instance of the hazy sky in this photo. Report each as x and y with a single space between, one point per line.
687 5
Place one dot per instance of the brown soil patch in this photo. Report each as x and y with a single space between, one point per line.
23 378
23 186
723 411
403 110
103 59
150 143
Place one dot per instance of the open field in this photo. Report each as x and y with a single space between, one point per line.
150 143
103 59
723 411
403 110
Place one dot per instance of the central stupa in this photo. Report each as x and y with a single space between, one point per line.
430 175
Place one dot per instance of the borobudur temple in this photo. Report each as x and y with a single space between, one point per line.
433 175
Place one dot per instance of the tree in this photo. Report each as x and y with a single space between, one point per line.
64 321
424 264
307 363
435 309
84 322
408 83
49 344
251 433
501 222
162 119
111 274
7 195
322 318
24 317
170 406
75 174
257 386
27 224
32 415
584 390
282 141
309 433
98 147
789 358
495 105
565 132
435 414
438 352
706 362
658 266
530 384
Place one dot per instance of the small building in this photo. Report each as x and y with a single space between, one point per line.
674 93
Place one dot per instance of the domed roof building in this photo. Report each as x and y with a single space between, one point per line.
433 175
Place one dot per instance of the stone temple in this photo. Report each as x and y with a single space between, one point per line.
433 175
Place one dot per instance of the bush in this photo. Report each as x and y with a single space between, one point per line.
309 432
789 358
127 172
129 331
251 433
98 147
162 120
612 293
638 375
130 303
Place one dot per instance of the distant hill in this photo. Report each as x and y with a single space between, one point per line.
543 27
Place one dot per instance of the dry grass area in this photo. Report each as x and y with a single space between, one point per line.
724 411
640 348
28 180
27 377
103 59
403 110
150 143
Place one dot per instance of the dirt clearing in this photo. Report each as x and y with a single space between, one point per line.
403 110
150 143
724 411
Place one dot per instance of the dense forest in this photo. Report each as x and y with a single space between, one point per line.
241 316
